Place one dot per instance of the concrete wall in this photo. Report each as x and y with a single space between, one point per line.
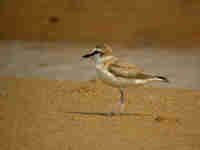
168 21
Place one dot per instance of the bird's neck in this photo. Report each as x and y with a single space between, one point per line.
98 59
101 59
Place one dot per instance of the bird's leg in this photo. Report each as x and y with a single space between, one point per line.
121 102
119 108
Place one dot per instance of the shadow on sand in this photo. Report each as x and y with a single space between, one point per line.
109 114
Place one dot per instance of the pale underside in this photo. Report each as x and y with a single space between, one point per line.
120 74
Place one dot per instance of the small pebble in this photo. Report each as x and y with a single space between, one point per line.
3 93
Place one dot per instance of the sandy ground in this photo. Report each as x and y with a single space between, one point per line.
47 102
67 115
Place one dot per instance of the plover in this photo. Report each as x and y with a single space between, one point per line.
117 73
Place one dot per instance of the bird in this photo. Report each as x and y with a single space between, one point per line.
117 73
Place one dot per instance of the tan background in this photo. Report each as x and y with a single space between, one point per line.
169 22
35 113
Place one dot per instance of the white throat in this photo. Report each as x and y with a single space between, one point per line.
100 60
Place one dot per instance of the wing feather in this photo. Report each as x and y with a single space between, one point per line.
125 70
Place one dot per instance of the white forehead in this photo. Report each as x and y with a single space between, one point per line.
96 49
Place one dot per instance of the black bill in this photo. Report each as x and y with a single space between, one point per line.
87 55
92 54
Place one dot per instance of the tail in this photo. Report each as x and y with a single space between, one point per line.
160 78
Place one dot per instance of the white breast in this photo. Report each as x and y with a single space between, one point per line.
109 78
105 75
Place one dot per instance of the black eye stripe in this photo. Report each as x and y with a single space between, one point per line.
95 52
92 54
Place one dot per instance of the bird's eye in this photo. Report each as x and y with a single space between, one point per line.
95 52
99 52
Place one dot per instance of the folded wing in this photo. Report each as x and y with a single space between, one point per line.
125 70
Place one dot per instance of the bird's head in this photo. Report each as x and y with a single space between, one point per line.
99 51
